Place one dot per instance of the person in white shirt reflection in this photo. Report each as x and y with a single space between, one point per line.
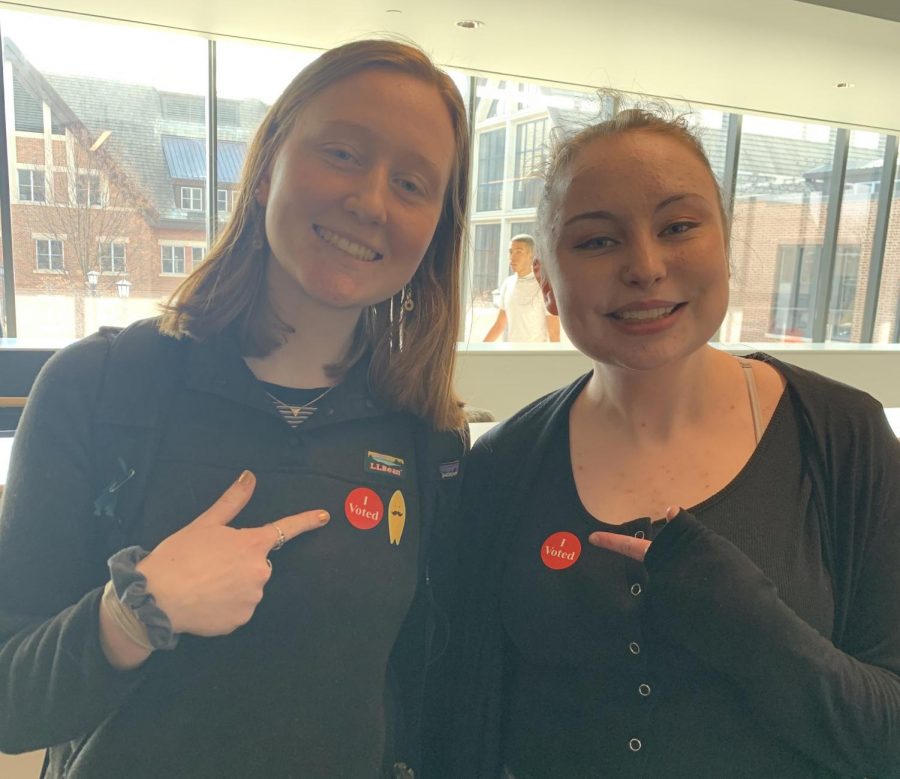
523 316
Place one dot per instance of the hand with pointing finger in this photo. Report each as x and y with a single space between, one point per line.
208 577
635 548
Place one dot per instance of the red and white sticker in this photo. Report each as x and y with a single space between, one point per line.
561 550
363 508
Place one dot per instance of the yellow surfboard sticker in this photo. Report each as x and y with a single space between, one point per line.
396 517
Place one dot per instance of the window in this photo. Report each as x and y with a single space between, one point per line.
29 109
31 186
797 279
491 150
531 149
843 293
485 260
172 259
87 189
184 108
192 198
49 254
198 254
225 199
112 257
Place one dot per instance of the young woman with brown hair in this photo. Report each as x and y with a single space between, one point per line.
308 364
610 634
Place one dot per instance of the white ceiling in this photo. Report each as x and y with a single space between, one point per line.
778 56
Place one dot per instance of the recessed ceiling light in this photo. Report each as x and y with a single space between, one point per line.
844 85
469 24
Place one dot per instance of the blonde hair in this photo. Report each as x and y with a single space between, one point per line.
657 117
412 352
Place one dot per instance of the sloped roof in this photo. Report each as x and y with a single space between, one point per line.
138 132
186 158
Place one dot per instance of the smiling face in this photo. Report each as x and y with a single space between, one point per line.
640 274
354 194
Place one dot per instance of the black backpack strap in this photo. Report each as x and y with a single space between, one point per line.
142 371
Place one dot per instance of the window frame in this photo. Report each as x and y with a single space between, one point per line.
49 254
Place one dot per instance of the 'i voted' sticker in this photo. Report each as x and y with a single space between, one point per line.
561 550
363 508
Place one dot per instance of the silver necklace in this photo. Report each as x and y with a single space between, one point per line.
298 412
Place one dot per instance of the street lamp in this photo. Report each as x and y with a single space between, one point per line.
123 287
93 277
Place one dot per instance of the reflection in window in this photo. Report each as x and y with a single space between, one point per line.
491 152
797 279
780 212
225 199
192 198
31 186
887 319
89 145
531 151
112 257
29 108
485 261
49 254
172 259
87 190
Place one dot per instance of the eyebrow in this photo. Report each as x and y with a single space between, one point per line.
431 169
608 215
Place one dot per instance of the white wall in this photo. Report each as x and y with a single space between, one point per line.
502 380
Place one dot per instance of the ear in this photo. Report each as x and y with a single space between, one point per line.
549 297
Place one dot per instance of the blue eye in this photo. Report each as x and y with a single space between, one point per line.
341 155
679 228
408 186
600 242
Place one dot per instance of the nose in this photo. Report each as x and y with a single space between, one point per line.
645 264
368 198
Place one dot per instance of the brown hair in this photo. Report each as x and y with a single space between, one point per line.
412 352
657 117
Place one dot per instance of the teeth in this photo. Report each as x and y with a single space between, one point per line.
345 245
643 315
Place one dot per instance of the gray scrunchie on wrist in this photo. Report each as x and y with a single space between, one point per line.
131 589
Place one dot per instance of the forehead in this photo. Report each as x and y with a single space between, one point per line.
393 108
634 164
519 246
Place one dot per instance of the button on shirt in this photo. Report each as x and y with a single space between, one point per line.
594 687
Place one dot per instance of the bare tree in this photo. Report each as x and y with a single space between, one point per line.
88 211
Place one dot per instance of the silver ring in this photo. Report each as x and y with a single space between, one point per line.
281 539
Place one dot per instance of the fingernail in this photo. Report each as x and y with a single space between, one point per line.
245 478
323 517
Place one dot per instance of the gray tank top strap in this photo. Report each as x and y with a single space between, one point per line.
747 365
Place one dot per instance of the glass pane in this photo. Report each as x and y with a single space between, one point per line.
513 123
780 208
855 232
95 195
887 319
242 101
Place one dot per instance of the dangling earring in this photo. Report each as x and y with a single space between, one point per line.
408 303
